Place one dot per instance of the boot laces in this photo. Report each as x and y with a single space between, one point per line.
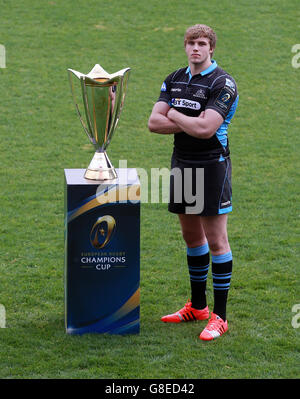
214 324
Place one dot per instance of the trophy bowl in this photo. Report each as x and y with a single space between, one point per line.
103 96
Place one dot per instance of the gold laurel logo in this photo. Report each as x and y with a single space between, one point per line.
102 231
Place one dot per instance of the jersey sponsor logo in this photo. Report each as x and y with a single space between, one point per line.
229 83
224 99
183 103
163 87
176 89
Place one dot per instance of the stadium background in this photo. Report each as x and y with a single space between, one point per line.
41 135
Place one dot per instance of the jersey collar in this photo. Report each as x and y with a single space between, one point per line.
208 70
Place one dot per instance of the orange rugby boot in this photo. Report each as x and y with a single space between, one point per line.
214 329
187 313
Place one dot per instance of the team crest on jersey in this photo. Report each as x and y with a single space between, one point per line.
200 93
183 103
163 87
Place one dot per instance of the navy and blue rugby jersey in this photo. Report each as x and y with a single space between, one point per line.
212 88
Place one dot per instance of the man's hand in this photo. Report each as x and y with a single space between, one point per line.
170 112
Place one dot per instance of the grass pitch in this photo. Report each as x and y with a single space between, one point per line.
41 136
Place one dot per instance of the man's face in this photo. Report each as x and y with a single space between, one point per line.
198 50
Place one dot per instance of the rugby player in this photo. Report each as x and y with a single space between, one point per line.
196 104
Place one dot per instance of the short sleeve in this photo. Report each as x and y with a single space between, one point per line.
222 96
165 91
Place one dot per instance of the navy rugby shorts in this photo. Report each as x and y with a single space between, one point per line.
200 187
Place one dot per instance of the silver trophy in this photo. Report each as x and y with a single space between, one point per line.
103 97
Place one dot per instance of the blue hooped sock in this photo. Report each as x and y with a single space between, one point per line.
198 264
198 251
221 273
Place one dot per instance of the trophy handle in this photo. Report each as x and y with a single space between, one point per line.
85 127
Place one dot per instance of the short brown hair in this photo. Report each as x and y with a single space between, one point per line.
199 30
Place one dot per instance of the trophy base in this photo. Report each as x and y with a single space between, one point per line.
100 168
